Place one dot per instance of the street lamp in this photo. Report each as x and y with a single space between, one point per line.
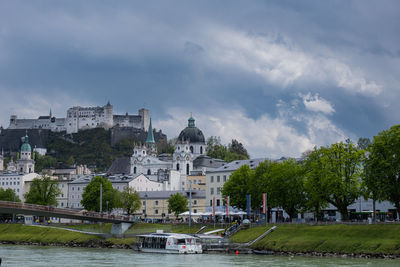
145 205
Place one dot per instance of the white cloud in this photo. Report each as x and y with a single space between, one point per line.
317 104
284 63
263 137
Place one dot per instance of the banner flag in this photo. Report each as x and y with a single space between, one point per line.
213 207
248 205
264 198
227 206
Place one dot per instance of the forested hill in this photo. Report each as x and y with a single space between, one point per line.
93 147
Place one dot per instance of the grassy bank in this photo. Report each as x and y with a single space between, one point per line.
371 239
24 233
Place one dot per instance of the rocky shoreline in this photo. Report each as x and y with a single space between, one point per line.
107 244
88 244
334 254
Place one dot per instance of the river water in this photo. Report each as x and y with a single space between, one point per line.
60 256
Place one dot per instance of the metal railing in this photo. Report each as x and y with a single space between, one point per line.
66 211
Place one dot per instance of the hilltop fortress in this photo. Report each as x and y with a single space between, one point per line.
83 118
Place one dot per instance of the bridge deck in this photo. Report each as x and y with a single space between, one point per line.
50 211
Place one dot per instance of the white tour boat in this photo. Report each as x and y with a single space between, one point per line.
168 243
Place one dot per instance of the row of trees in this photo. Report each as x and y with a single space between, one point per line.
336 174
44 191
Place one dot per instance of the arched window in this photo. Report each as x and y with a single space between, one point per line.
148 172
191 149
187 169
134 170
177 166
201 150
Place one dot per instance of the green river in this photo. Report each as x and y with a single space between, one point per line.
13 255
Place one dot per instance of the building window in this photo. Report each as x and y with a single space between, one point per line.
218 190
212 191
195 211
224 178
218 179
191 149
187 169
73 188
177 166
201 150
144 202
156 202
194 181
148 172
210 202
134 170
218 202
195 202
156 211
169 211
212 179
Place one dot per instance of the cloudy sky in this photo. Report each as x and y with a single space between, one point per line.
279 76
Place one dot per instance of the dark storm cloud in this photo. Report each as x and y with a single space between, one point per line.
209 56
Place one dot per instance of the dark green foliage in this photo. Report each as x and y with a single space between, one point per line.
130 200
382 167
234 151
177 204
8 195
170 147
238 186
91 195
43 191
282 181
44 162
335 174
90 147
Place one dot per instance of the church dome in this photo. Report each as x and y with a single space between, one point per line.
191 133
26 147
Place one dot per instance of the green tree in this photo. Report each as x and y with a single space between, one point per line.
340 174
177 204
238 186
315 186
238 149
9 195
44 162
382 167
91 195
130 200
286 186
43 191
234 151
170 147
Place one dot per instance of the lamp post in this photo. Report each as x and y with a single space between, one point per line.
13 219
145 206
190 203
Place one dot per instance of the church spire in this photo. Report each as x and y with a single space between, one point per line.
150 135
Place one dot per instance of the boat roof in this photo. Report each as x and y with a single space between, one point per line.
167 235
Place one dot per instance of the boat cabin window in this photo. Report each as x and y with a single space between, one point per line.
181 242
154 242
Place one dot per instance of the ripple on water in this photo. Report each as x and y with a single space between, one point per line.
61 256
